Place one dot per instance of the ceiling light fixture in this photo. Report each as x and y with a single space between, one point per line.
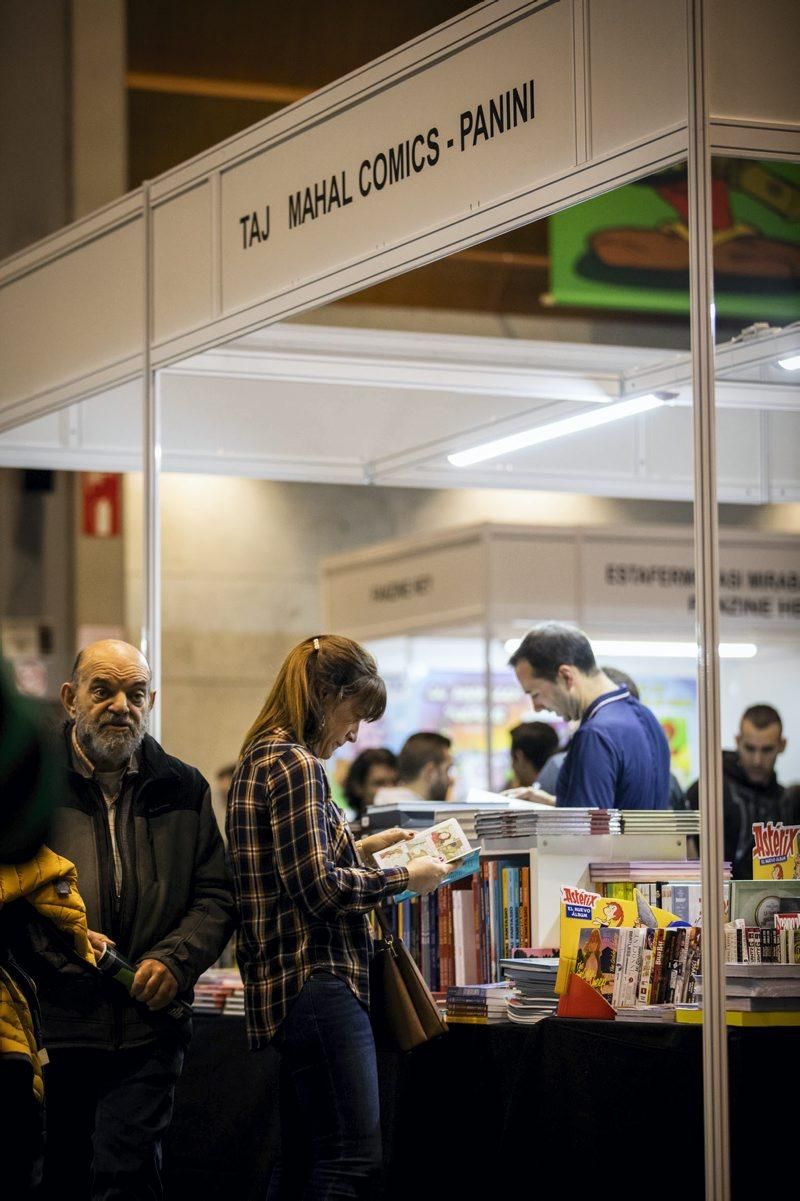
790 364
556 429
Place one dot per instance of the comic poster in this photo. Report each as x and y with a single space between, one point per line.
629 249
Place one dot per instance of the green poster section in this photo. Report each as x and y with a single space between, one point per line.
629 249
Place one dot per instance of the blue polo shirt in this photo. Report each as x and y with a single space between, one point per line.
618 758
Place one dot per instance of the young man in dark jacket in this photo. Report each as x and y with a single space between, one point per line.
750 790
139 826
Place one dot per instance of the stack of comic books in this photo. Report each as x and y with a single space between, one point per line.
760 987
215 988
534 979
478 1004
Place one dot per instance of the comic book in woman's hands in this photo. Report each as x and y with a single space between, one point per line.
445 840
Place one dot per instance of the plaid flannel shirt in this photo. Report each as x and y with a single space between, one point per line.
302 894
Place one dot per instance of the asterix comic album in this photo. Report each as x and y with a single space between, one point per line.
581 908
446 840
776 851
597 957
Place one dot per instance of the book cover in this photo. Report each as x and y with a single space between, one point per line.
597 957
755 902
646 974
776 851
633 968
446 840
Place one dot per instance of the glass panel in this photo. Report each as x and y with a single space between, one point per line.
756 256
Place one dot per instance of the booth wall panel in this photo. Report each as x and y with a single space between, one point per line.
784 455
183 240
753 60
113 421
637 81
538 580
85 307
739 452
429 585
43 432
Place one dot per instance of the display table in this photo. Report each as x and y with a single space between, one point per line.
602 1105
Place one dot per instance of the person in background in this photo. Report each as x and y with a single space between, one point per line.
619 756
137 823
373 769
548 778
677 797
219 796
424 770
532 744
751 791
304 889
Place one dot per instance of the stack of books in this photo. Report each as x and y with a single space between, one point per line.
215 988
533 996
660 821
760 988
478 1004
528 824
756 994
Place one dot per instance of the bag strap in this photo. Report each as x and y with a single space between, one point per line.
386 929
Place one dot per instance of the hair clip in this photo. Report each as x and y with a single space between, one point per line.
316 644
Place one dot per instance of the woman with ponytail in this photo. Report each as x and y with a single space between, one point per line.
304 890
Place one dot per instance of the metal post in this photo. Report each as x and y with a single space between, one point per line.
487 650
151 612
706 554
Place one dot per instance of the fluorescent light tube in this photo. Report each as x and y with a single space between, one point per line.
790 364
555 429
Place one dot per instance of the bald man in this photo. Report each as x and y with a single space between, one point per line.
139 826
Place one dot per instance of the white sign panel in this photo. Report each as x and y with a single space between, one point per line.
654 581
404 592
424 151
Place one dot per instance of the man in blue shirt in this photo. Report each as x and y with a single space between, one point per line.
618 757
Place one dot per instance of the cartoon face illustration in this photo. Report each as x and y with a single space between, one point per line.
613 913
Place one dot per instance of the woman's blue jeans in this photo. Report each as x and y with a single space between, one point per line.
330 1120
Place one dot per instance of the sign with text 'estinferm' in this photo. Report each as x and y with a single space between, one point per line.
423 152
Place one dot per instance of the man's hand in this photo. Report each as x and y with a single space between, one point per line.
154 984
98 941
384 840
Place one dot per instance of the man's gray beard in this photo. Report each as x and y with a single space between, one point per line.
108 749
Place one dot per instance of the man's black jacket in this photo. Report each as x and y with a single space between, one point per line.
176 904
743 803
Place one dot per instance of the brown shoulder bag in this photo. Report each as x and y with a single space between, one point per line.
403 1011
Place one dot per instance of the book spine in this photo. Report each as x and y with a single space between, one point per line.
623 952
646 975
525 907
658 967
